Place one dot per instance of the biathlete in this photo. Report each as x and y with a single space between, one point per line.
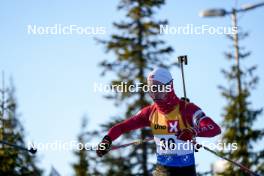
172 121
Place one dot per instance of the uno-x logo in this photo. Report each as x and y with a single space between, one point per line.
162 127
173 126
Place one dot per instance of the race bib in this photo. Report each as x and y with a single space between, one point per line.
170 145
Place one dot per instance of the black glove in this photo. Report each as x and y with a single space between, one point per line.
186 134
104 146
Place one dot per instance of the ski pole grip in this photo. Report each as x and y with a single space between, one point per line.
183 59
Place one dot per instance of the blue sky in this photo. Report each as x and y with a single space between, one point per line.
54 74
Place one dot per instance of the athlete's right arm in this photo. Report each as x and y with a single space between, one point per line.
140 120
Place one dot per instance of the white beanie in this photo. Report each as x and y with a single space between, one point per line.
160 74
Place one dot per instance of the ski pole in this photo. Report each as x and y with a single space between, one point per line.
242 167
31 150
183 59
136 142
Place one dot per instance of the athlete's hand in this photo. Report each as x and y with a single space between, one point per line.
104 146
187 134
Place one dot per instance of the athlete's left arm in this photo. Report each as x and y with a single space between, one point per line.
204 126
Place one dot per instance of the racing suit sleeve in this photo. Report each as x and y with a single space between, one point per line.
203 125
140 120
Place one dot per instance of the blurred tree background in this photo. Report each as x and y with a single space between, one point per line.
81 167
239 115
12 160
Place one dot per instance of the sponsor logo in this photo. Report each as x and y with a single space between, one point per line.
173 126
162 127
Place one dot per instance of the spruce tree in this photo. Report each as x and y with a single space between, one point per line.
12 160
239 115
137 50
81 167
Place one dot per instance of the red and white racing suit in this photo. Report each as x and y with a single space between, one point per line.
165 119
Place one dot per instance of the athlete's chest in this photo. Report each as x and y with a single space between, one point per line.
167 123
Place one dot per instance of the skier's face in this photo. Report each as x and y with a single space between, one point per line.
157 90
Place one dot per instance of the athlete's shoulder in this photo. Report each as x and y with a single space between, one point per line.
145 113
147 110
192 107
189 109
